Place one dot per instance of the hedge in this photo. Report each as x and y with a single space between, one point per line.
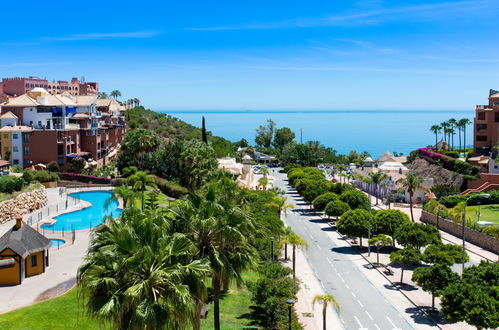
450 163
171 188
40 176
453 200
84 178
10 184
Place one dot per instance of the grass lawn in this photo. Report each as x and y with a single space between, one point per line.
65 312
487 212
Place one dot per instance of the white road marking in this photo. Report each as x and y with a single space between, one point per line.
361 305
347 286
329 260
376 326
342 280
356 319
393 324
369 315
312 237
319 247
339 274
353 294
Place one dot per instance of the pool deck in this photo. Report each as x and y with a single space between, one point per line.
60 275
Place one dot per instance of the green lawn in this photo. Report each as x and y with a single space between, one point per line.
487 212
65 312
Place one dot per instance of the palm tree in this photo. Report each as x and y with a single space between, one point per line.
459 126
452 122
263 182
296 241
437 210
122 192
136 101
411 183
405 257
287 232
115 94
137 274
140 180
376 179
379 241
265 171
325 299
436 129
464 122
445 128
103 95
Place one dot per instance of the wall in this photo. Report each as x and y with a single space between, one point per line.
42 146
17 148
473 236
10 276
484 177
22 204
32 115
6 144
39 268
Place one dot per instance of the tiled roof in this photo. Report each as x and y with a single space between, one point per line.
24 241
9 115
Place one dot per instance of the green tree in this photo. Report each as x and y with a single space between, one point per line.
379 241
103 95
283 137
377 178
136 274
434 279
336 208
115 94
204 137
417 235
296 241
197 162
444 254
436 129
140 181
411 183
265 133
137 148
388 221
464 122
121 192
452 122
354 223
474 298
355 199
405 257
321 201
325 299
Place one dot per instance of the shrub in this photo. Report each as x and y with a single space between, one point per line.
10 184
322 200
453 154
492 231
340 187
453 200
17 169
129 171
336 208
355 199
170 188
40 176
84 178
441 190
53 167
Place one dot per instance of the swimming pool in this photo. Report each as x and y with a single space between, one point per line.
88 217
57 242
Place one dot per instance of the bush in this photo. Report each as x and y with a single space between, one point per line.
340 187
322 200
53 167
355 199
129 171
17 169
492 231
336 208
10 184
441 190
170 188
453 200
40 176
84 178
453 154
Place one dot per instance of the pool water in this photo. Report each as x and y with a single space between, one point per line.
88 217
57 242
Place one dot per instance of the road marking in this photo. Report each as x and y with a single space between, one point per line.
356 319
319 247
311 236
347 286
342 280
393 324
369 315
329 260
376 326
361 305
353 294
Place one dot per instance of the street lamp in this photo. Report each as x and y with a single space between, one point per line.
272 248
290 303
369 228
464 220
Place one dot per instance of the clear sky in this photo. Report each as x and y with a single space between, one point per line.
367 54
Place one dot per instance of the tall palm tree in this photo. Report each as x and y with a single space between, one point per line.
263 183
265 171
296 241
411 183
280 202
122 192
377 178
436 129
287 232
445 128
437 210
452 122
464 122
459 126
140 181
115 94
325 299
103 95
137 274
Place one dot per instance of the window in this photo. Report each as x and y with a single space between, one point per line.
481 126
15 136
26 138
495 104
60 161
15 162
15 149
33 261
496 116
481 116
481 138
6 136
26 151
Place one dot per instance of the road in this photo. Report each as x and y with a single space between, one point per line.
363 305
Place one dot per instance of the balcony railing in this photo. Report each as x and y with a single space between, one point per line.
483 107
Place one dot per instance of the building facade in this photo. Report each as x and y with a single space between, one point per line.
486 125
39 128
19 86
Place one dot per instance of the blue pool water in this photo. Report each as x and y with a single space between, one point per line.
88 217
57 242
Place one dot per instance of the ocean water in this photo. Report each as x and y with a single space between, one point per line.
373 131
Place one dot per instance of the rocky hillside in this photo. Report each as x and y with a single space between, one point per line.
439 174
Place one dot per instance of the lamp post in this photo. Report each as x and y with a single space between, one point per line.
272 248
464 221
290 303
369 228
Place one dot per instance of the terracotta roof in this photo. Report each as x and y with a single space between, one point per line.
16 128
80 115
494 95
20 101
387 157
24 240
86 100
9 115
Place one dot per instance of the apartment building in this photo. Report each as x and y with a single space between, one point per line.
38 127
19 86
486 125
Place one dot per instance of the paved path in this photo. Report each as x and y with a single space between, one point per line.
367 299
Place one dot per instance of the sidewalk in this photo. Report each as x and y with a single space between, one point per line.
310 316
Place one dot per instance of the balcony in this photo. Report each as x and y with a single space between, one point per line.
485 107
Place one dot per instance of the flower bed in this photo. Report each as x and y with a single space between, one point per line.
449 163
84 178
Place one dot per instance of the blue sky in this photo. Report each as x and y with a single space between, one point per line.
275 55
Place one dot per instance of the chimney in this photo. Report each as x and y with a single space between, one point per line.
19 221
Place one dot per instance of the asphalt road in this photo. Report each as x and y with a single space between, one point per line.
363 306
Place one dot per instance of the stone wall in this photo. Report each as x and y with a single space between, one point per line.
25 202
473 236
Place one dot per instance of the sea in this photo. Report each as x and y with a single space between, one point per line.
373 131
